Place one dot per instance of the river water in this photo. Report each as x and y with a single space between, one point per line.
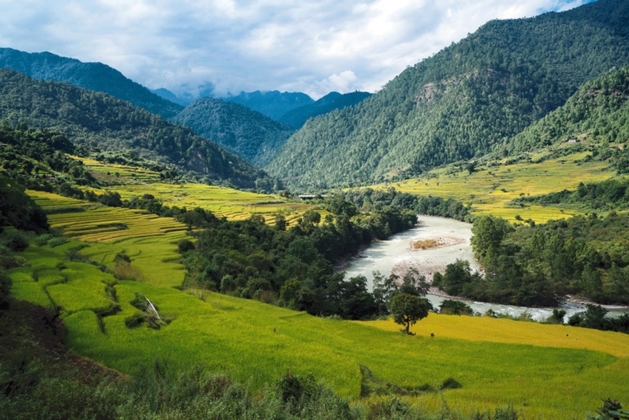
396 255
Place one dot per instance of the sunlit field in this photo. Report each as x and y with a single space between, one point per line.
542 370
490 188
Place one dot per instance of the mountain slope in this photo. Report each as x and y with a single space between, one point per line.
101 121
461 102
598 112
273 104
251 135
93 76
297 117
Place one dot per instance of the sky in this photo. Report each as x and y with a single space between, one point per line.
229 46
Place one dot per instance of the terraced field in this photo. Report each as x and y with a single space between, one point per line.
490 188
233 204
542 370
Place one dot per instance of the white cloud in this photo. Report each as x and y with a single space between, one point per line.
310 45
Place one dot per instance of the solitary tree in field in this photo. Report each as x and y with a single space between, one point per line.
408 309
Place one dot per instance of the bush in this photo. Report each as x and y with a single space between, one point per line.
5 288
15 241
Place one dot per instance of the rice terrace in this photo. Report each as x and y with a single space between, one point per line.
440 239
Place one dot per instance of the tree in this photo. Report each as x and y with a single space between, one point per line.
408 309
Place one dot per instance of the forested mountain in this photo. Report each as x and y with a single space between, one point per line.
100 121
463 101
273 104
598 112
251 135
297 117
93 76
169 96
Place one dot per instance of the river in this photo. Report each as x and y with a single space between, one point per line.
395 255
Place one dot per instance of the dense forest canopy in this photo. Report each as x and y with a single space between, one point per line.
461 102
93 76
247 133
597 113
102 122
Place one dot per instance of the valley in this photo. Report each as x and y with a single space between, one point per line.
206 255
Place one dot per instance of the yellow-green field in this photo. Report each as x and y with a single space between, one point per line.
228 202
490 188
111 172
544 371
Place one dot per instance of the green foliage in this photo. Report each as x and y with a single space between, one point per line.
612 194
408 309
5 287
297 117
455 307
611 409
461 102
538 265
598 112
249 257
93 76
99 121
247 133
18 210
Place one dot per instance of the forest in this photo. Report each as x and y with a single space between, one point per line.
540 265
98 122
463 101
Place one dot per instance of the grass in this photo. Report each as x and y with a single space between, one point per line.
542 370
490 188
536 368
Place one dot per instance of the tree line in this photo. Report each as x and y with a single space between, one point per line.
538 266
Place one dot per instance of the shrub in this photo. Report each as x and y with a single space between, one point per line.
5 288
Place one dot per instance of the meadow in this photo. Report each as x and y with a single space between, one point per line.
542 370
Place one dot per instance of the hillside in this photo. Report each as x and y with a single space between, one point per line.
247 133
597 113
93 76
462 101
297 117
100 121
273 104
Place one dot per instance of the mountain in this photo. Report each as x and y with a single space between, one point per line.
93 76
461 102
297 117
249 134
597 113
169 96
98 120
273 104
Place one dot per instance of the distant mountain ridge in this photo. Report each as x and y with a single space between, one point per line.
247 133
297 117
273 104
93 76
99 120
461 102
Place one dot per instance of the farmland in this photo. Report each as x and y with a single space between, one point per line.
560 371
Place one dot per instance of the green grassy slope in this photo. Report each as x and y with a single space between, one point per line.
538 369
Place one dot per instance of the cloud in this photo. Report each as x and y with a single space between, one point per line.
233 45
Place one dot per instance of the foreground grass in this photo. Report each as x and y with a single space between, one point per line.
536 368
